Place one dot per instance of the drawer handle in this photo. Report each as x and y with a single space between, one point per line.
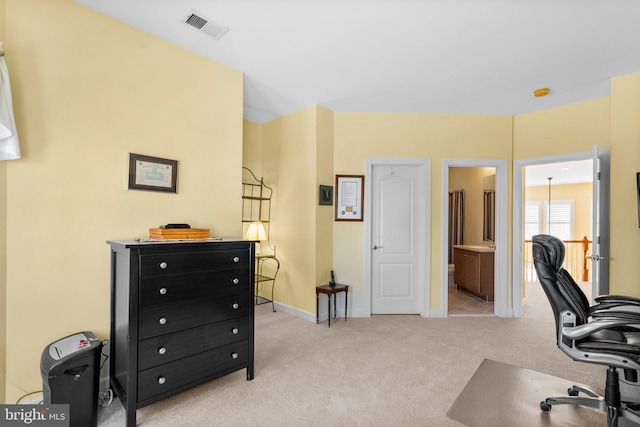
162 380
163 291
236 259
236 281
162 320
234 355
162 350
163 265
235 331
235 305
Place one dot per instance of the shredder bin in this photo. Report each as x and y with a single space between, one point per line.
70 369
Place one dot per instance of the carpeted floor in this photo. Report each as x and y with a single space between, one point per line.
379 371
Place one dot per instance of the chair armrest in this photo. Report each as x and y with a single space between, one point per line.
587 329
618 299
604 309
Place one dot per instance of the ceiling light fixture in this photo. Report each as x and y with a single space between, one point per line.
541 92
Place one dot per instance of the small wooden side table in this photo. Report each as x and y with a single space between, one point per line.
329 291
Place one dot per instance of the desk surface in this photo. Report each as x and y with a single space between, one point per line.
330 289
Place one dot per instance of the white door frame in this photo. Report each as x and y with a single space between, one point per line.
424 241
518 200
502 291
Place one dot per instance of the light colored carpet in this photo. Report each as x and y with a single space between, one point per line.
500 394
379 371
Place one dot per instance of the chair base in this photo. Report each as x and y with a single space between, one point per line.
616 408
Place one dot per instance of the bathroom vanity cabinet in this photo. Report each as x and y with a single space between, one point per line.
474 270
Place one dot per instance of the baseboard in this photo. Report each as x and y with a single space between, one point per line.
311 317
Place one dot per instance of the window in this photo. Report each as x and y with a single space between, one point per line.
531 220
536 221
561 223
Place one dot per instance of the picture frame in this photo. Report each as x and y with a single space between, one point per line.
325 196
349 197
152 173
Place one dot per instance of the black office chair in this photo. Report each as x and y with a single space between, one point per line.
606 333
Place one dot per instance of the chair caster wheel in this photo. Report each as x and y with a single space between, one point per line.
545 407
572 392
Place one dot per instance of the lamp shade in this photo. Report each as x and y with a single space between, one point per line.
256 232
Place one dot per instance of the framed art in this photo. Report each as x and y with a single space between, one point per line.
152 173
349 195
326 195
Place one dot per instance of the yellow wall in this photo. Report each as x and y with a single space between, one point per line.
610 122
324 213
471 181
289 148
252 147
3 235
567 129
359 136
625 162
297 156
88 90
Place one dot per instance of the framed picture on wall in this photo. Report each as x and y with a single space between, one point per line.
349 196
152 173
326 195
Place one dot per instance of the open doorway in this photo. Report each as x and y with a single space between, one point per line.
471 241
558 200
502 306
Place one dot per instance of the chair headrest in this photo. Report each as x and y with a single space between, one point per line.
552 253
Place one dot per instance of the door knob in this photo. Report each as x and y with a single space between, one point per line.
374 247
596 258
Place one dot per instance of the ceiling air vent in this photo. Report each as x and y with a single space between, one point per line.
213 29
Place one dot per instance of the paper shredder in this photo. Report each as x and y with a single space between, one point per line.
70 369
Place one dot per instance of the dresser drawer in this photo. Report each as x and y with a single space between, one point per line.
169 347
164 319
181 287
170 376
192 262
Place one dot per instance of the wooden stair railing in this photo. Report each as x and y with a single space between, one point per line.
585 249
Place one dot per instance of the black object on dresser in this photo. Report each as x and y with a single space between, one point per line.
182 314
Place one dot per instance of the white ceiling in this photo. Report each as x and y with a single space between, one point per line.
576 172
422 56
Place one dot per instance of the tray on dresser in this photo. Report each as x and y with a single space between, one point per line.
178 233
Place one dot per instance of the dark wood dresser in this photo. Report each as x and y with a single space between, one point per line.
182 314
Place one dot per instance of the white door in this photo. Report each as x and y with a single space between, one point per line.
397 239
600 245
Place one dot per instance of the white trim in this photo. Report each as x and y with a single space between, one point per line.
518 201
311 317
503 290
425 169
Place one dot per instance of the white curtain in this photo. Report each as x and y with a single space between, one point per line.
9 147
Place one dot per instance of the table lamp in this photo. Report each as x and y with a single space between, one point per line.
256 232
